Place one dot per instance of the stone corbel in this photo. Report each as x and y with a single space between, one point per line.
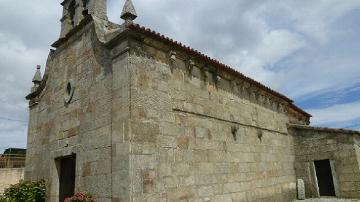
216 77
235 86
190 66
267 102
172 59
286 109
253 95
261 99
246 90
275 105
241 89
257 96
271 103
203 75
281 108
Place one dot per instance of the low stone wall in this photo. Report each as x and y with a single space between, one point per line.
9 176
340 147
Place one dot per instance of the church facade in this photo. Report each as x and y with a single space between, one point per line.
128 114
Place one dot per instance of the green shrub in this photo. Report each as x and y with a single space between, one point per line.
25 192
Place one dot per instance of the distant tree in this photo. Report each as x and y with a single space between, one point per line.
15 151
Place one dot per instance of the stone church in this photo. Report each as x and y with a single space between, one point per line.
130 115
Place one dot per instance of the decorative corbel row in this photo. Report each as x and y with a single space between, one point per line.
241 88
253 94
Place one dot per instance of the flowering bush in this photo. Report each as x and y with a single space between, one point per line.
80 197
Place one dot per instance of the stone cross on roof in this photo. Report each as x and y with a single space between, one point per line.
128 12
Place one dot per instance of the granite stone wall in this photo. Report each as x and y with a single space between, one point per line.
194 139
82 126
341 148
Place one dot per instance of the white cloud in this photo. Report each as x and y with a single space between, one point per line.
12 134
278 44
17 68
336 113
27 28
315 18
258 62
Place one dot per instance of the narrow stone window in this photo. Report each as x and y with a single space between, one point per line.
234 130
68 88
69 91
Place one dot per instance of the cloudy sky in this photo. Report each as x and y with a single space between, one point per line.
306 49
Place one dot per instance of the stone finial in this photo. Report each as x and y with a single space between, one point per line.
37 77
128 13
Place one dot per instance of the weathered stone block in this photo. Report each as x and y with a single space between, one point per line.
300 189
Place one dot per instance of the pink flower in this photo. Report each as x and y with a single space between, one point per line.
80 197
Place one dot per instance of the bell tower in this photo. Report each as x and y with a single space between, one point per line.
75 10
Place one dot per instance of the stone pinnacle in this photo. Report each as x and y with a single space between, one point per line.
37 77
129 13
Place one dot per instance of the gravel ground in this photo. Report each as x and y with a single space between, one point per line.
329 200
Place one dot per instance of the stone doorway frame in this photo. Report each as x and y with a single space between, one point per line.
314 179
55 169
